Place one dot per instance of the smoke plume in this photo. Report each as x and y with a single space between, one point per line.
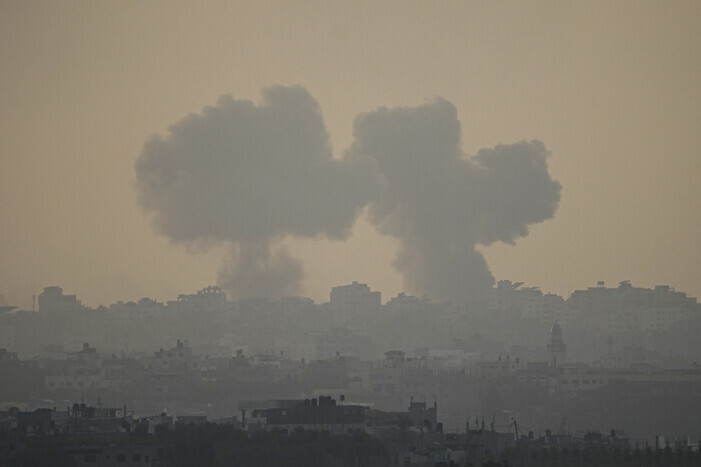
440 203
249 175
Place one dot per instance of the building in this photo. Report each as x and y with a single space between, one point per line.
423 416
406 303
52 300
82 370
355 298
540 376
343 342
210 298
556 347
627 310
322 414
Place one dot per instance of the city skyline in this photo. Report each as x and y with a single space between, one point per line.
610 90
377 298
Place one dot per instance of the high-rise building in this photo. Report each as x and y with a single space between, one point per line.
556 347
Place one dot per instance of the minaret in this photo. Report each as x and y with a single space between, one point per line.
556 347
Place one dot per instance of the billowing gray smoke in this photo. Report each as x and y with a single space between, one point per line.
248 176
440 204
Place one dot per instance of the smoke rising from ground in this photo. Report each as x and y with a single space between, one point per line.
248 176
255 270
440 204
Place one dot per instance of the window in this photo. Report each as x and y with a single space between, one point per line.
90 458
136 458
121 457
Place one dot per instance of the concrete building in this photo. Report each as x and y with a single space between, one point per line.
556 347
355 298
52 300
541 376
322 414
82 370
627 310
423 416
403 303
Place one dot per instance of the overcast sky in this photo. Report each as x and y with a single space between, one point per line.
610 87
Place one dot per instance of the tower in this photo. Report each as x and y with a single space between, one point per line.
556 347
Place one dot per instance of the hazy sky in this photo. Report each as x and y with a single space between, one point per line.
611 88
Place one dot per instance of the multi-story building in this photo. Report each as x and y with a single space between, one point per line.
556 347
321 413
355 298
82 370
53 300
627 310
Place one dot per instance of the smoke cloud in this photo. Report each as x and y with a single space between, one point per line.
440 203
248 176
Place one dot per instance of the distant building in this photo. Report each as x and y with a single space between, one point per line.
311 414
419 418
556 347
209 299
540 375
423 416
406 303
178 360
496 369
626 310
342 342
52 300
82 370
526 302
355 298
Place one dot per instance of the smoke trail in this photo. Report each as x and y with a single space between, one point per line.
248 176
440 204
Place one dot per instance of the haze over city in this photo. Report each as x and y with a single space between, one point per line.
609 88
343 233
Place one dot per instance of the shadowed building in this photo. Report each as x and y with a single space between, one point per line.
556 347
355 298
311 414
53 300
